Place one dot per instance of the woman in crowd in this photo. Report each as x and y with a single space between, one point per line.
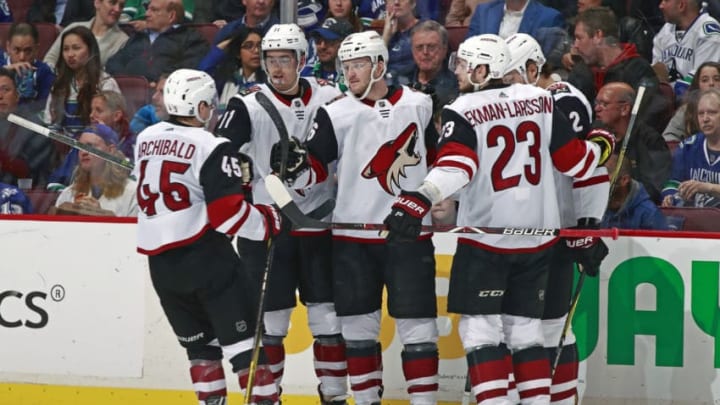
109 108
399 21
684 123
345 10
98 184
235 64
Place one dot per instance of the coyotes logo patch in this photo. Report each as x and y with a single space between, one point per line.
391 159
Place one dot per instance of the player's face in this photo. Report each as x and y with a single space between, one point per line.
108 11
281 69
87 161
250 52
428 51
357 74
75 51
708 115
327 49
340 8
709 77
9 96
608 108
584 44
21 48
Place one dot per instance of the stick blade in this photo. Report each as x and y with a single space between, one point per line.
284 201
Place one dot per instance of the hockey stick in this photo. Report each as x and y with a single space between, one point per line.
568 322
275 117
54 135
467 393
626 138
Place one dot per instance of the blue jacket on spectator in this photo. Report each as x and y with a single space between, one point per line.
488 16
637 212
5 12
35 87
227 31
143 118
14 201
375 9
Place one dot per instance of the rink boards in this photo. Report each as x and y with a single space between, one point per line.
80 324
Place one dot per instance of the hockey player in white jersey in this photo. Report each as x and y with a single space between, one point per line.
382 139
581 203
302 260
498 148
191 199
688 38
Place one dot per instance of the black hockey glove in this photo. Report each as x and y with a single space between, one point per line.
273 219
588 251
405 220
297 159
605 140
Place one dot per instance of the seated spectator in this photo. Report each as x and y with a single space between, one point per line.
399 21
134 13
688 38
695 177
152 113
373 11
507 17
684 123
345 10
163 47
6 15
444 212
23 154
258 16
60 12
33 77
461 12
222 11
235 64
646 149
629 206
104 26
98 184
606 60
327 39
109 108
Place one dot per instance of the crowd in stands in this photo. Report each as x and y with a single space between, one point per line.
605 48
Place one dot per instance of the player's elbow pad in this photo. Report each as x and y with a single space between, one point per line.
605 140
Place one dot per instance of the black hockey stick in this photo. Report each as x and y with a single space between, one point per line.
467 393
623 149
568 322
275 117
72 142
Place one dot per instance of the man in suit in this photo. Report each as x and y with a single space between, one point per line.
50 11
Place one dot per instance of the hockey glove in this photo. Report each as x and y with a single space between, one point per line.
273 219
297 159
246 176
605 140
405 220
588 251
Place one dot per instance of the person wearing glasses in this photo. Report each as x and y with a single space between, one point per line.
382 139
301 261
234 63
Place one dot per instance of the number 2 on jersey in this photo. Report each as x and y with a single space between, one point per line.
175 195
510 141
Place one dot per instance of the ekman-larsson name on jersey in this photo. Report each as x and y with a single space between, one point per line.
181 150
518 108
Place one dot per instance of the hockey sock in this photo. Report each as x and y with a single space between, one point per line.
331 366
420 367
264 388
275 352
512 388
488 372
208 379
564 382
531 367
364 361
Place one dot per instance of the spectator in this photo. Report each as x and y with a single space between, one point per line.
97 183
258 15
399 21
5 13
134 12
109 108
606 60
345 10
62 12
234 63
695 177
33 77
104 25
684 123
646 149
429 41
687 39
152 113
163 47
461 12
372 11
629 206
327 39
23 154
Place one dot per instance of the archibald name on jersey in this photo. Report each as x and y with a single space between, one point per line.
166 147
516 108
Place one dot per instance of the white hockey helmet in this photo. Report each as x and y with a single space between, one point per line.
524 48
365 44
485 49
285 37
185 89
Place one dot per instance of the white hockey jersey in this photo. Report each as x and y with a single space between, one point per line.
250 128
684 51
380 148
506 142
188 184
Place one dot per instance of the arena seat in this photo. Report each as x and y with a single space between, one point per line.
41 200
703 219
456 35
136 90
19 9
208 30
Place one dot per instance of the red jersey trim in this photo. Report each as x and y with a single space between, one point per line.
567 157
495 249
592 181
373 241
222 209
176 244
319 169
445 157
